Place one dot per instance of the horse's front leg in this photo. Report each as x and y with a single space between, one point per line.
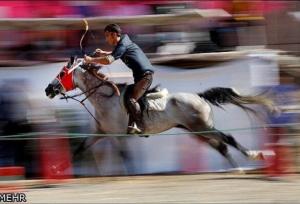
82 147
85 144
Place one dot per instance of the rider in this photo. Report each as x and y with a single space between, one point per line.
136 60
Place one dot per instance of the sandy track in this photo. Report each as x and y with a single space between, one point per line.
224 188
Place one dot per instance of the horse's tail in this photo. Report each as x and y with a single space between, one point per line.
219 96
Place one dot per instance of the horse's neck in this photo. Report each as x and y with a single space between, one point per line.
100 98
108 110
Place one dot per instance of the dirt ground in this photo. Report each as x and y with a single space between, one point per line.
202 188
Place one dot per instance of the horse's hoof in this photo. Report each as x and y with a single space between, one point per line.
255 155
240 171
237 171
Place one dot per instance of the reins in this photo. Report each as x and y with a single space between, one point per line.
91 91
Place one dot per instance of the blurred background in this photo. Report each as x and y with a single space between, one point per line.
194 45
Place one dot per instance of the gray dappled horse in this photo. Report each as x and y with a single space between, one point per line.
164 110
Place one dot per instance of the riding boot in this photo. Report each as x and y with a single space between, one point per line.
135 117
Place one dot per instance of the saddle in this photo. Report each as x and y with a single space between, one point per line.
151 94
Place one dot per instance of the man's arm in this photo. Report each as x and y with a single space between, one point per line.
99 60
102 53
109 56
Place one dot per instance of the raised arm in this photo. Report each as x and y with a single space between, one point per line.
98 60
107 57
101 53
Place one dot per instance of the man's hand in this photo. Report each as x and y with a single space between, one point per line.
88 59
98 53
101 53
96 60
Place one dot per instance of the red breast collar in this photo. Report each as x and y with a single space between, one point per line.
66 79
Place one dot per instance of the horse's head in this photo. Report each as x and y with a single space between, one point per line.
64 81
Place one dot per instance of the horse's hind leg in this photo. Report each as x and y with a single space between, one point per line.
215 140
228 139
221 147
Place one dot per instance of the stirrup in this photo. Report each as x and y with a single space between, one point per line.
133 129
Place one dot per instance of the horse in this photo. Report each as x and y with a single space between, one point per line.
190 111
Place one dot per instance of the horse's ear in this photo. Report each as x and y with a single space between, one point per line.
72 58
71 61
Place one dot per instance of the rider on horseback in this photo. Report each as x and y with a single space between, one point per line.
136 60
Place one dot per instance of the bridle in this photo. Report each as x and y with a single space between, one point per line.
66 80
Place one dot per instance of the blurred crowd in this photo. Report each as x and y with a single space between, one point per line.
24 128
207 35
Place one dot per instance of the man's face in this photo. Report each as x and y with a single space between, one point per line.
111 37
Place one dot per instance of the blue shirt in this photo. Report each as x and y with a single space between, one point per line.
133 56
